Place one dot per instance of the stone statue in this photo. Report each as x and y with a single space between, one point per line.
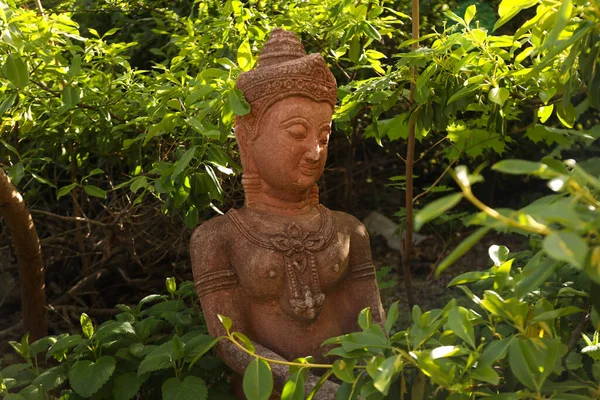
289 272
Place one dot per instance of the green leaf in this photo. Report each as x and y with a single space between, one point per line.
197 347
392 316
566 246
498 95
86 325
51 378
370 31
192 388
559 312
509 8
495 351
7 103
87 377
502 275
258 380
470 13
63 191
560 23
127 385
16 173
486 373
155 362
237 102
244 56
70 96
522 362
95 191
468 277
355 49
16 71
461 249
365 318
246 342
536 271
520 167
388 369
344 369
545 112
62 345
294 387
458 322
183 162
225 321
436 208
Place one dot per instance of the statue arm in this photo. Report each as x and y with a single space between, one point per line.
361 275
218 288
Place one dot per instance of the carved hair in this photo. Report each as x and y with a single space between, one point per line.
284 70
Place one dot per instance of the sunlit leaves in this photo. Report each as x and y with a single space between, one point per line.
16 71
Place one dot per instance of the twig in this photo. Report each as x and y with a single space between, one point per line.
82 284
71 219
437 181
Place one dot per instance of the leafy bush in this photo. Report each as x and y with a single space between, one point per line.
158 348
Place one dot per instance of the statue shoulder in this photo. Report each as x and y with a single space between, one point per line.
349 223
211 234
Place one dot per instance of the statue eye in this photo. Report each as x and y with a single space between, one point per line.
297 131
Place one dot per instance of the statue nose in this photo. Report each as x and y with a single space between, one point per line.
313 153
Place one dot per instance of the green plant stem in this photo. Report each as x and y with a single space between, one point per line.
288 363
537 228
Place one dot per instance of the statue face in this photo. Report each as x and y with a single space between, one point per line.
291 148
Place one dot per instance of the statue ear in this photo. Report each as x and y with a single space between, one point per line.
241 135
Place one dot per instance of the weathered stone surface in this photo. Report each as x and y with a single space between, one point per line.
289 272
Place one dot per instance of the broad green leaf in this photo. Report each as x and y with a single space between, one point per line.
95 191
183 162
523 363
86 325
258 380
502 275
495 351
63 191
51 378
154 363
237 102
461 249
127 385
16 173
191 388
294 387
436 208
70 96
344 369
7 103
370 31
486 373
537 270
244 56
566 114
458 322
566 246
16 70
388 369
509 8
498 95
559 312
63 344
87 377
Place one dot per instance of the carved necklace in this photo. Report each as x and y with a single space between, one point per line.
298 248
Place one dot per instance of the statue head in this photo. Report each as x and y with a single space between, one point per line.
283 140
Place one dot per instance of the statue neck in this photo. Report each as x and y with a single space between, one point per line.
259 197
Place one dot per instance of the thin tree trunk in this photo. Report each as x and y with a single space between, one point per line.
410 160
29 257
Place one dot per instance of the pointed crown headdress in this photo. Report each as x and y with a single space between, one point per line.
284 69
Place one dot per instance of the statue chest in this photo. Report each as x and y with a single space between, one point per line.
294 266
